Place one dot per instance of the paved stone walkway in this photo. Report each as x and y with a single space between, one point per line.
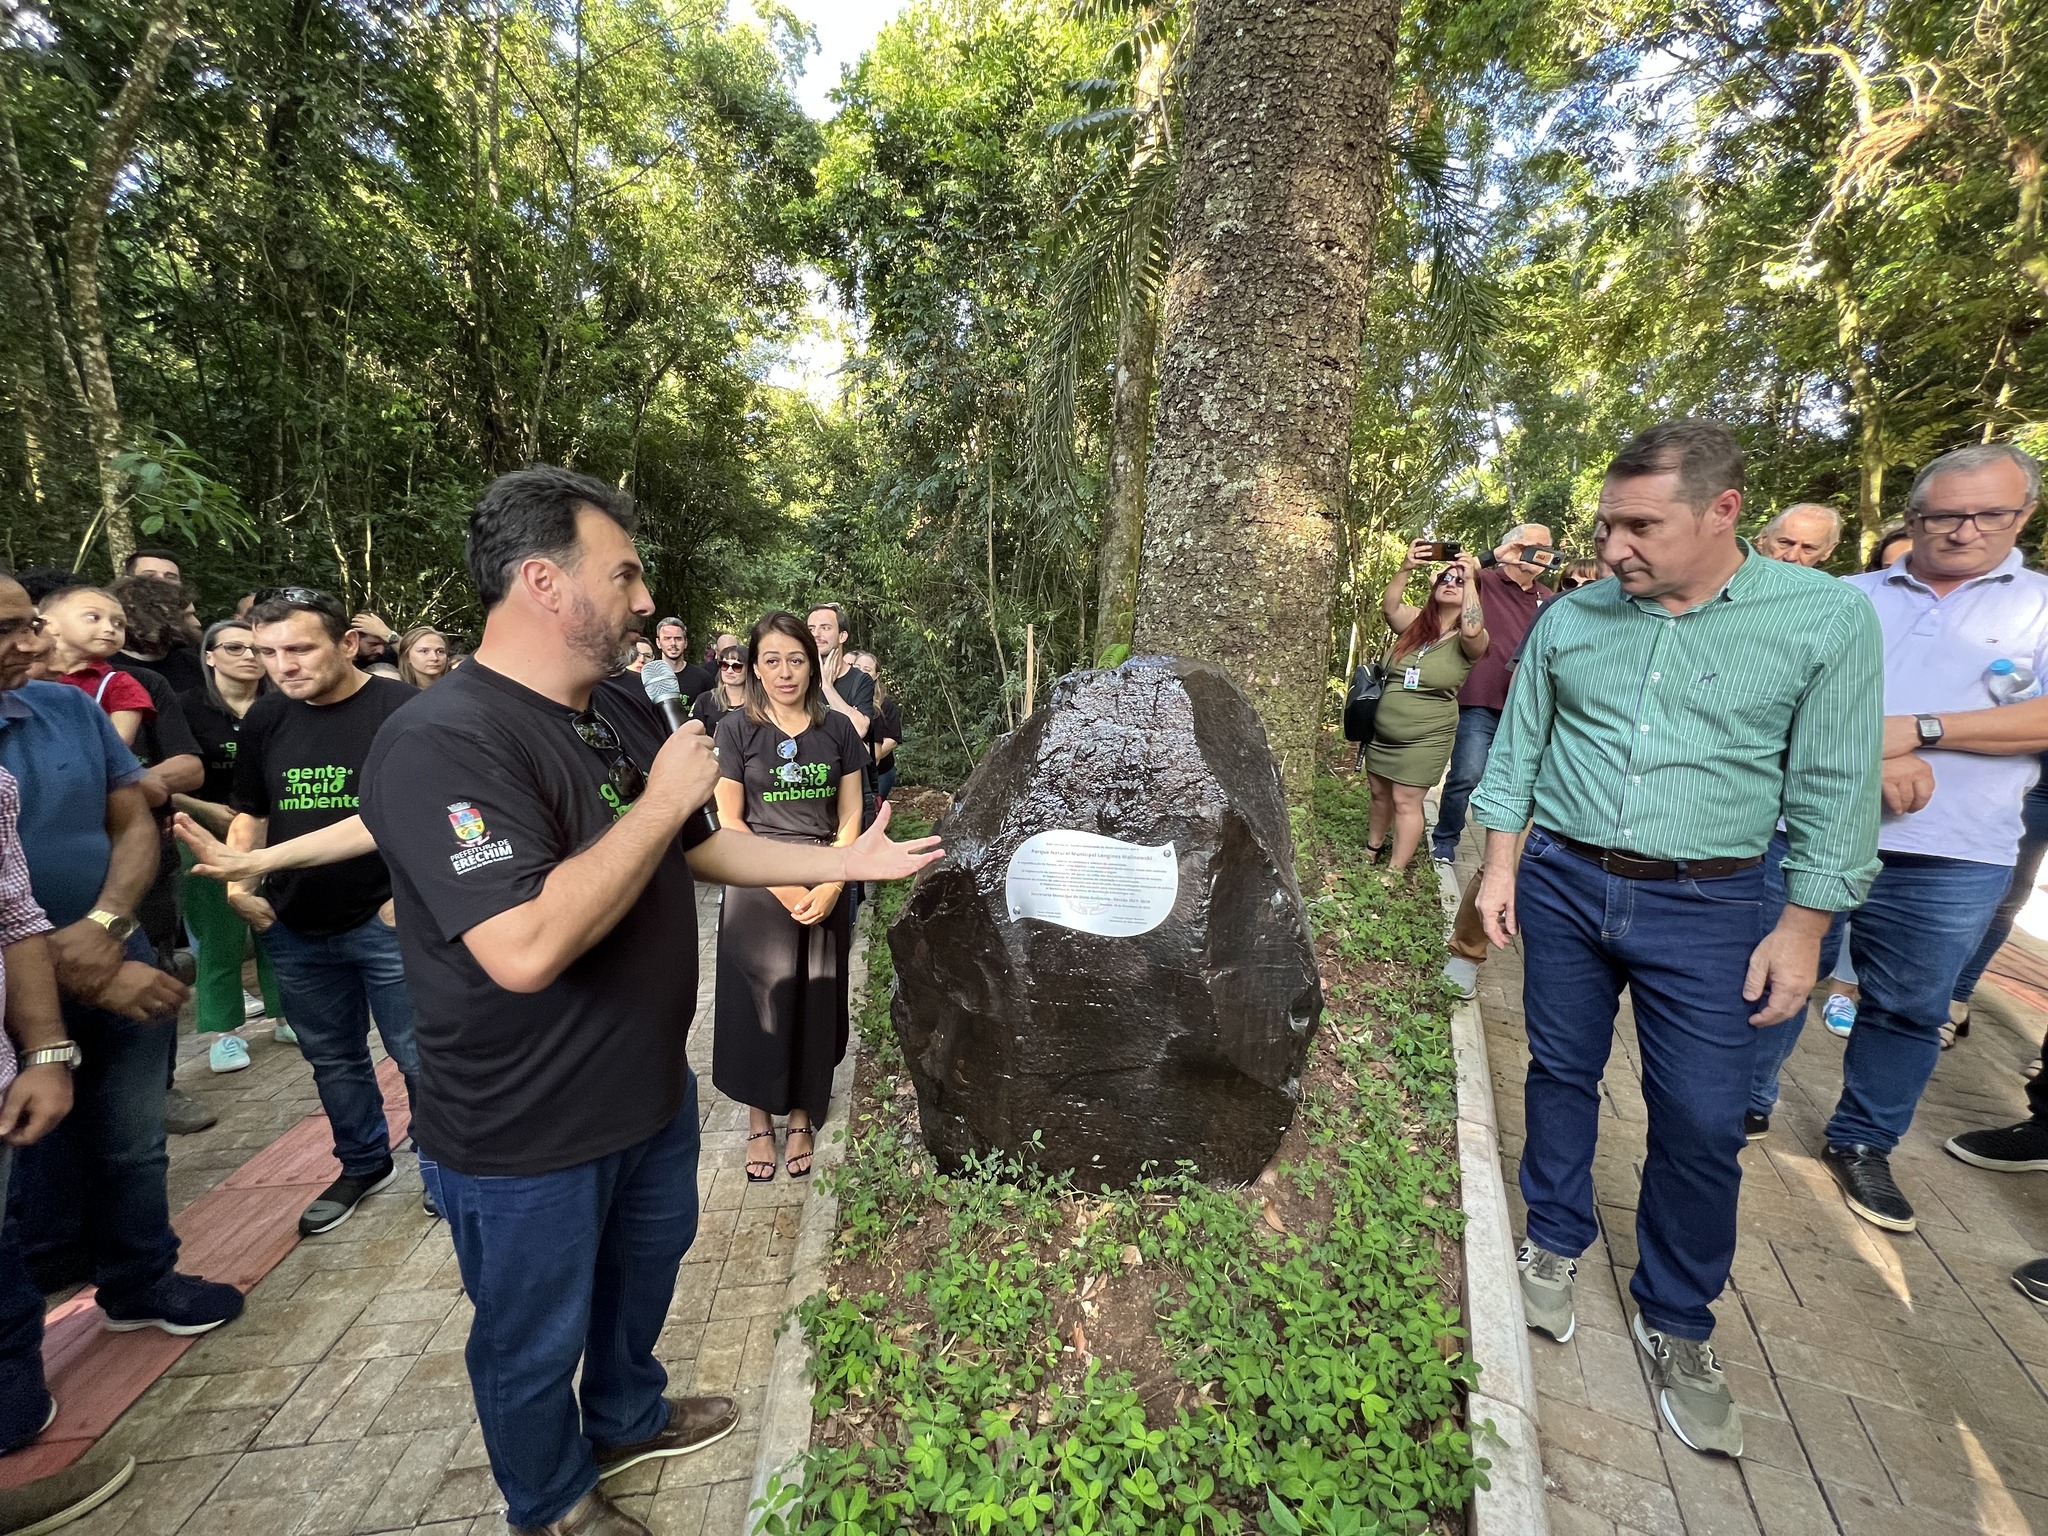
339 1403
1891 1385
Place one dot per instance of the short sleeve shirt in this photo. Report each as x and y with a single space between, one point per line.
113 689
475 794
20 917
300 766
792 783
218 732
1510 609
63 752
1936 654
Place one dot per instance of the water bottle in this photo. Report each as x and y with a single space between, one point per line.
2010 681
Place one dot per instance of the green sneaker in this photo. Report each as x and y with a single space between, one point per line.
1547 1290
1692 1394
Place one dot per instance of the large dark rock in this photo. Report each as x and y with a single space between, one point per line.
1182 1042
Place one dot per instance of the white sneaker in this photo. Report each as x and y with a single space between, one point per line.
1462 975
252 1006
1839 1014
228 1054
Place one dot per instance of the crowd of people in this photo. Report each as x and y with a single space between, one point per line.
1708 772
433 842
1708 775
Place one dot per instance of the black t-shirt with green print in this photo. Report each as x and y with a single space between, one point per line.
475 794
300 766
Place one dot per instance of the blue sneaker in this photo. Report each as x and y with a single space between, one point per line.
179 1304
228 1054
1838 1013
283 1033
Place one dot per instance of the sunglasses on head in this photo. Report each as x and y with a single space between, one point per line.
622 773
308 597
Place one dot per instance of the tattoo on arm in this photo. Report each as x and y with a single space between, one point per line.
1472 616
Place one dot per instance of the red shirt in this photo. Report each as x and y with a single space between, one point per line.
114 690
1510 610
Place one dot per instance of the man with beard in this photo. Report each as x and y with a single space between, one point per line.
327 931
543 838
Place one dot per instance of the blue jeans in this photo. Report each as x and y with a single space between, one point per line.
1774 1045
1476 727
2034 817
89 1198
1682 948
1912 936
329 987
578 1265
24 1396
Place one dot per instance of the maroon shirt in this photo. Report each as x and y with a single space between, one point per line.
1510 610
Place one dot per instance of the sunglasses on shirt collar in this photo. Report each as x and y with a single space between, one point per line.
622 773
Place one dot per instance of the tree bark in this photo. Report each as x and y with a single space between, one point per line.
82 236
1282 169
1137 372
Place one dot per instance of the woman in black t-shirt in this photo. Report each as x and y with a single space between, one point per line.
790 769
885 727
214 710
729 693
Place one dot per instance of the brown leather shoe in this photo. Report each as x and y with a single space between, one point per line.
594 1515
693 1423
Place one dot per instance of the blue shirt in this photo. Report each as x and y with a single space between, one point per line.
63 750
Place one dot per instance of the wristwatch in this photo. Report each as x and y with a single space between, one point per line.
1929 727
64 1053
118 927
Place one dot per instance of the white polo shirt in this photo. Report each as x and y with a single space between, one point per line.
1935 654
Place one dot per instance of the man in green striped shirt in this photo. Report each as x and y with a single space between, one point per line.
1662 721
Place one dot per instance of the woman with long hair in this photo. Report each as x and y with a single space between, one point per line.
233 680
885 726
1417 720
422 656
790 769
728 693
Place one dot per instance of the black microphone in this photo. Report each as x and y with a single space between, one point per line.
658 677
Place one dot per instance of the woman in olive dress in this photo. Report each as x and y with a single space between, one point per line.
1417 719
790 769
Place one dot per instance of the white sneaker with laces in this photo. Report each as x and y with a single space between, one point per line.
252 1006
1838 1013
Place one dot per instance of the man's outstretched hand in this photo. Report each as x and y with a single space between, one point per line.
215 859
873 857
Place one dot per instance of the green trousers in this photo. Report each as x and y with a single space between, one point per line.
220 939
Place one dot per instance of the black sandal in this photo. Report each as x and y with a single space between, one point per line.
790 1162
753 1163
1372 852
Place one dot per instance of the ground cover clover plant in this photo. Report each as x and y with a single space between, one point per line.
1000 1351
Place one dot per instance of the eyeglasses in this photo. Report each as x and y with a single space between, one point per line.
34 624
623 774
232 647
1984 522
732 666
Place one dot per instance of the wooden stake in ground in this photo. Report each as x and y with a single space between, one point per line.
1030 669
1282 166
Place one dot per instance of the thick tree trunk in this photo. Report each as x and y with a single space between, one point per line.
1282 166
82 236
1137 372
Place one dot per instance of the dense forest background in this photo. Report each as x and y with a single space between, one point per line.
282 282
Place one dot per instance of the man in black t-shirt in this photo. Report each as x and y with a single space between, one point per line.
327 931
542 839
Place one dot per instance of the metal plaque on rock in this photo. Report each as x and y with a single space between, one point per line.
1099 885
